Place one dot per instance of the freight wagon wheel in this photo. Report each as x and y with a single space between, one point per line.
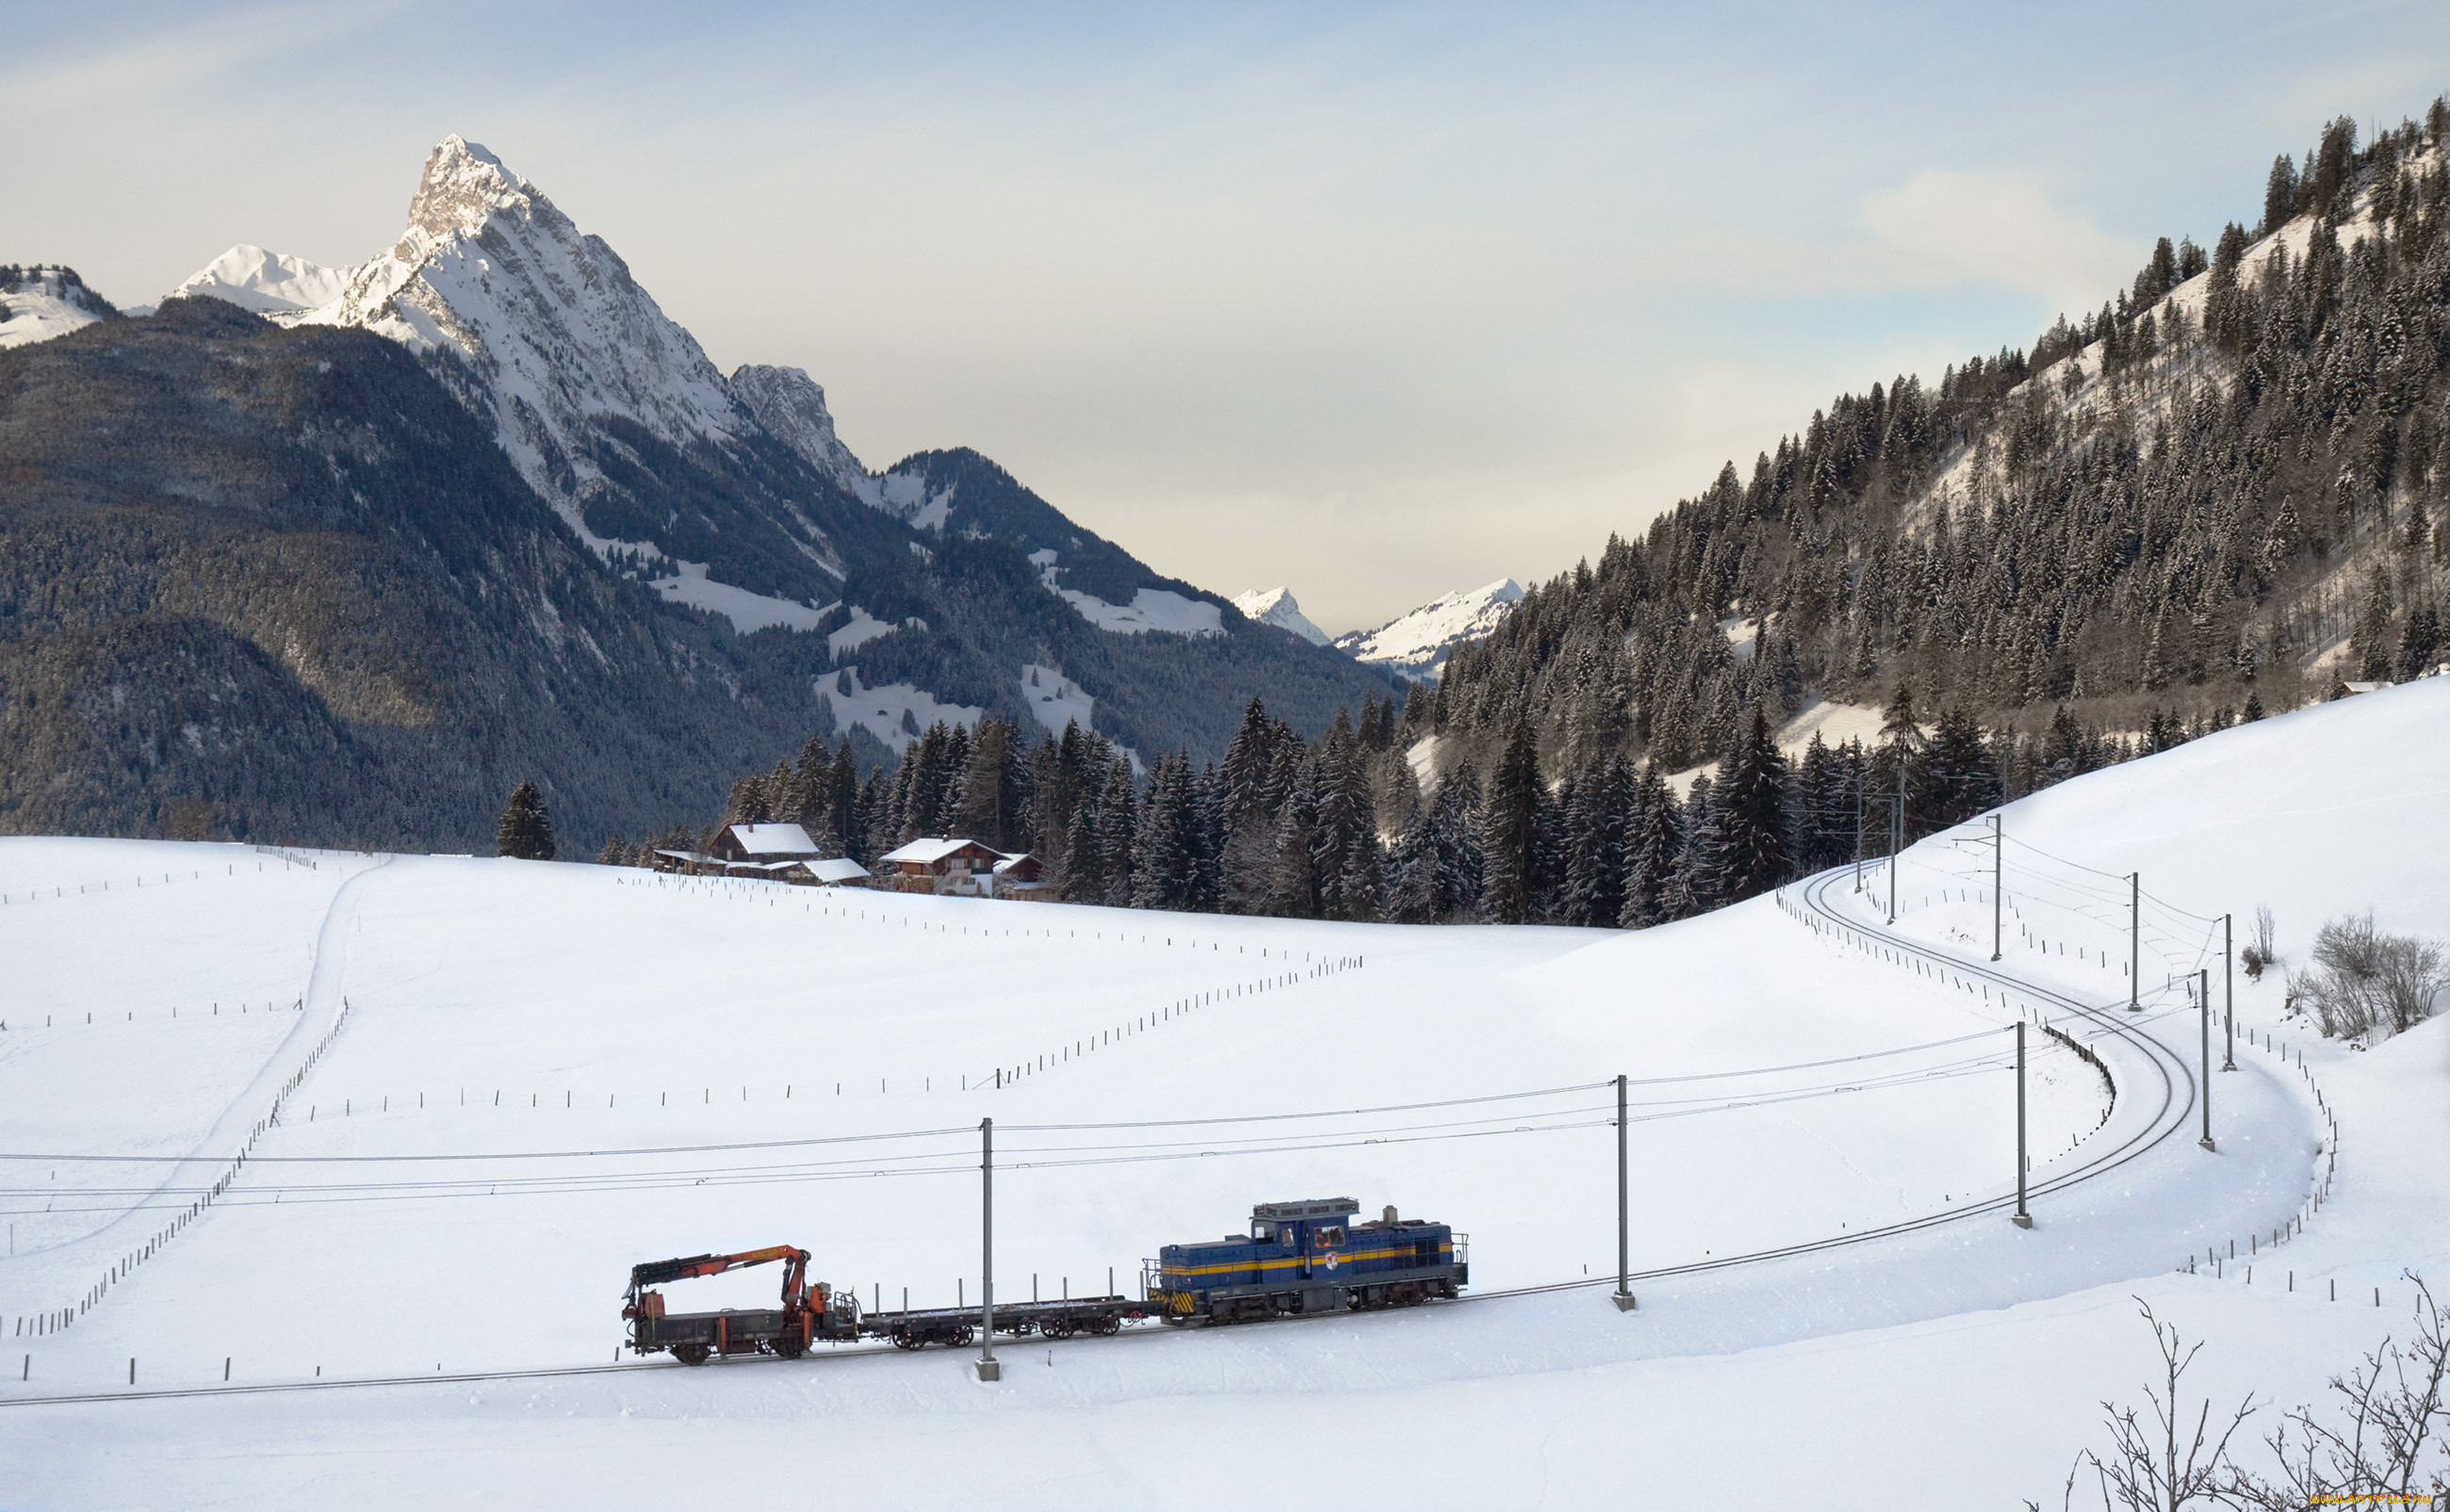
690 1353
962 1336
1106 1327
790 1347
907 1340
1056 1328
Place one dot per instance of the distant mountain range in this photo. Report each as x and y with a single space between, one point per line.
1417 644
1413 646
654 575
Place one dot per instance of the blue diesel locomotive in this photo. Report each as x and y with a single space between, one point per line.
1306 1257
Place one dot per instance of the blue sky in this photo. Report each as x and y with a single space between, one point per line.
1372 303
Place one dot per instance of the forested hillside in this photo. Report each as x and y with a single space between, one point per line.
2187 496
280 585
2212 497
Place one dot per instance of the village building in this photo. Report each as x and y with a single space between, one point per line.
770 852
961 868
764 843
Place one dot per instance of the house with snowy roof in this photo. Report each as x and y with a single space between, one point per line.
963 869
771 852
764 843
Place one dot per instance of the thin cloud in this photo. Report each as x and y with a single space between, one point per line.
1998 228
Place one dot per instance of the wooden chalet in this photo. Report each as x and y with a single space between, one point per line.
771 852
961 868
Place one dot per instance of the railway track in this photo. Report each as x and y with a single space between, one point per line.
2159 1084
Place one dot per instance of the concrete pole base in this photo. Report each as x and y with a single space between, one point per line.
1623 1301
2022 1220
990 1369
2206 1142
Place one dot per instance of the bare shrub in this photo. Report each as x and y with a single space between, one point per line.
2363 980
2388 1440
2261 948
2391 1410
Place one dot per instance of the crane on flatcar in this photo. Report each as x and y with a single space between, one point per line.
805 1314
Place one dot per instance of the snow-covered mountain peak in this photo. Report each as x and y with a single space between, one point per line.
278 287
1418 644
555 329
462 187
1277 606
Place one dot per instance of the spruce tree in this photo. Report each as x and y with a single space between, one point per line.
1751 809
526 829
991 800
1293 883
1510 830
1411 871
1117 820
1654 851
1345 849
1166 848
1596 827
1694 889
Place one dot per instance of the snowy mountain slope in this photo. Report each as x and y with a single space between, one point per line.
37 304
566 979
1277 607
547 318
792 406
738 497
1417 644
306 583
281 289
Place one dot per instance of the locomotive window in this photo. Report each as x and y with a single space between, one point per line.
1262 1231
1330 1236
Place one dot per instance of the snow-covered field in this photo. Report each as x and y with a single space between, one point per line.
534 1077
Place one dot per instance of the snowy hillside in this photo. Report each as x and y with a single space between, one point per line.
482 1073
1277 607
281 289
1418 644
37 304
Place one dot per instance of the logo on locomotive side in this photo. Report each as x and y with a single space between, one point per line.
1331 1261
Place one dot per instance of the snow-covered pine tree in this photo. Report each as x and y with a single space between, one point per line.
840 836
1166 851
1654 850
1293 889
1694 887
1596 826
1510 830
1750 804
1345 850
526 828
1412 873
1208 831
991 800
1084 871
1117 824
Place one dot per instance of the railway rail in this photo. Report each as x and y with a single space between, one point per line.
2163 1094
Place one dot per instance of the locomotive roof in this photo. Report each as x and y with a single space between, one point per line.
1309 1208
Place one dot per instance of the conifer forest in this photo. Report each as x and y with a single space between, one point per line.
2215 497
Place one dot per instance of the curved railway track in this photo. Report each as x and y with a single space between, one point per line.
2164 1093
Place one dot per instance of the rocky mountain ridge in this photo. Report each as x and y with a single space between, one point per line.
767 586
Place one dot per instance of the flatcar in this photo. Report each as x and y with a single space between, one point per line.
1306 1257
